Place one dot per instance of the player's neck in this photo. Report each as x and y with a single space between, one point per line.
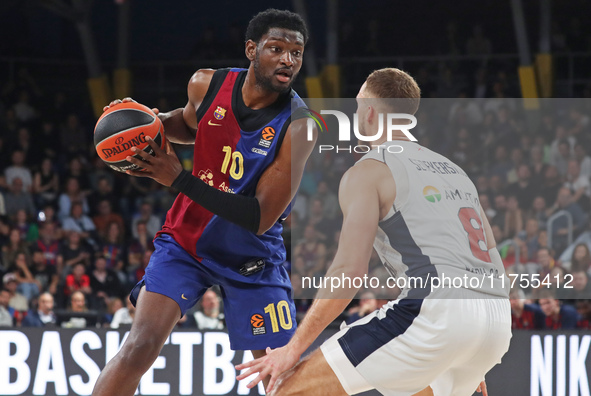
396 136
254 96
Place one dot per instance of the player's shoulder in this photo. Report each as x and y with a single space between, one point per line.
365 173
201 77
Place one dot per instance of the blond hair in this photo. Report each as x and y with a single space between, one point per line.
392 83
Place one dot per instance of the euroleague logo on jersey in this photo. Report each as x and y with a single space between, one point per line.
267 136
257 324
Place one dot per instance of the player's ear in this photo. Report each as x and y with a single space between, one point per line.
250 50
370 114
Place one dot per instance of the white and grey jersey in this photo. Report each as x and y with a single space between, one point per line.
434 229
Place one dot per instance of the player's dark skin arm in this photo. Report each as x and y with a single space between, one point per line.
276 188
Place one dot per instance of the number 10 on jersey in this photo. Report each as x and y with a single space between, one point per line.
237 160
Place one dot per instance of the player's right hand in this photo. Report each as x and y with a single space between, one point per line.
125 100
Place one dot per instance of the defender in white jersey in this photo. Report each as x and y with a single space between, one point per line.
421 213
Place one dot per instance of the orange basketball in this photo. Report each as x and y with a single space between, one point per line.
257 321
268 133
122 127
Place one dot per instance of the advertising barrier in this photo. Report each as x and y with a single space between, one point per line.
68 362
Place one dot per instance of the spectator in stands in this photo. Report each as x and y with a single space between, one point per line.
539 211
17 301
367 304
17 199
513 217
530 237
45 275
27 284
103 191
145 214
29 231
545 260
77 305
501 166
579 185
43 315
18 170
523 189
581 287
23 110
516 162
558 316
538 166
31 151
13 247
330 202
325 228
114 305
581 258
72 194
48 215
6 319
139 245
208 317
78 280
565 202
137 272
104 282
584 310
73 137
312 250
76 171
46 139
525 316
560 160
583 159
114 251
551 185
73 251
80 223
124 316
501 209
486 207
104 217
46 184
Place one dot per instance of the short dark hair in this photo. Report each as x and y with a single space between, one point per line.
260 24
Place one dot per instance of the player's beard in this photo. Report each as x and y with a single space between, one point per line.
266 82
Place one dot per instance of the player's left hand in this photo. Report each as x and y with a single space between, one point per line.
274 363
164 166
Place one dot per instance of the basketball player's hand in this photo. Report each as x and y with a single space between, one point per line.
482 388
125 100
164 166
274 363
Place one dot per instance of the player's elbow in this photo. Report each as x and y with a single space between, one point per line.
264 226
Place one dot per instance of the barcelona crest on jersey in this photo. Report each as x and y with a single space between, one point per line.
219 113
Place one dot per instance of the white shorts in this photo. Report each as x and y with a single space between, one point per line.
448 344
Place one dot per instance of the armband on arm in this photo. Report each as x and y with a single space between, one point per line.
237 209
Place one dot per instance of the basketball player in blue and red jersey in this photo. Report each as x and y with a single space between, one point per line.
225 227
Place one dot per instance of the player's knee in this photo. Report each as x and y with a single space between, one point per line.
141 352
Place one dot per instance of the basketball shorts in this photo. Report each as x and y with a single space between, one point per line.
258 309
410 344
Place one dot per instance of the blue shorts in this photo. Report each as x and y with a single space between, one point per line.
258 308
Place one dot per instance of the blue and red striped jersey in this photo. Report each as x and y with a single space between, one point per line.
233 147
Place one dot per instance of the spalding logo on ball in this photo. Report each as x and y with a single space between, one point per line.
123 126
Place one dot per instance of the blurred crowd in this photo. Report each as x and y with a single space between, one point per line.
532 172
75 236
